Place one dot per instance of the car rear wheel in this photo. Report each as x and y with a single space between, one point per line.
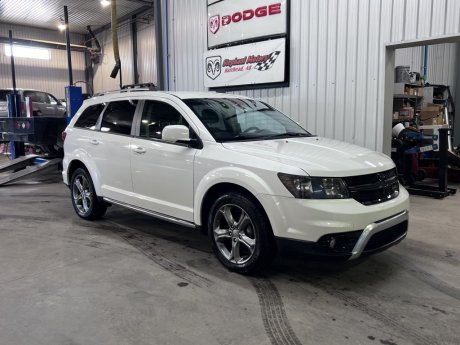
84 199
240 233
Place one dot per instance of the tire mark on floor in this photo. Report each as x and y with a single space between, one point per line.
137 240
274 316
428 278
388 320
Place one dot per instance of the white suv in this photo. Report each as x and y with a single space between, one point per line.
240 170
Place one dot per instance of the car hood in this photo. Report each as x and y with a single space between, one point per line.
317 156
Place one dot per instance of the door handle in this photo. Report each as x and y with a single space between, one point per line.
94 142
139 149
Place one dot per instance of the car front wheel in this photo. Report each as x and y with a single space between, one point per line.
240 233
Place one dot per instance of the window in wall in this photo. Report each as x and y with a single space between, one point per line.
28 52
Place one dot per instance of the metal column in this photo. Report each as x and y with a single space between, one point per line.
14 104
67 42
159 45
135 53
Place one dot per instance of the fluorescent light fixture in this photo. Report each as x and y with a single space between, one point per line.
105 3
27 52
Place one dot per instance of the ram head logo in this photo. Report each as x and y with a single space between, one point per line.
214 24
213 66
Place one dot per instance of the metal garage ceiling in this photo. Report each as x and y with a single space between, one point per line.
47 13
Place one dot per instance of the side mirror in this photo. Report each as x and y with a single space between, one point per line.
176 134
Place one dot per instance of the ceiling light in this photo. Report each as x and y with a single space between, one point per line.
105 3
61 26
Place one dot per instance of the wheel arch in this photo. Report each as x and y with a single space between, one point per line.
222 188
78 163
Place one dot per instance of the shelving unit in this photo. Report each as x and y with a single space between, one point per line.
418 152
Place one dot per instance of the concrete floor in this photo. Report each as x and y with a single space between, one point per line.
131 279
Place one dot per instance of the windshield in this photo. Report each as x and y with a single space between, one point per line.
234 119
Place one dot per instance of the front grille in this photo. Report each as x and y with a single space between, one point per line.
385 237
373 188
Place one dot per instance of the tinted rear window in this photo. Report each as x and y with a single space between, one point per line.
89 117
118 117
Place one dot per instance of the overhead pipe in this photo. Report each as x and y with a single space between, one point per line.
44 43
116 51
96 42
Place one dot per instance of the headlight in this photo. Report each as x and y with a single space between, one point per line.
304 187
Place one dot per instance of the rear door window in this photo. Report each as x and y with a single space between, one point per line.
88 119
118 117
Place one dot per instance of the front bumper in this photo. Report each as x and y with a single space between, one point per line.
309 220
374 238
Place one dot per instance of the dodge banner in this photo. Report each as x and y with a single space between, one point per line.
232 21
247 64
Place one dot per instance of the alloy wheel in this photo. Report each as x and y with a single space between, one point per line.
234 234
82 194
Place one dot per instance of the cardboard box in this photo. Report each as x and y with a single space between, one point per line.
430 112
406 113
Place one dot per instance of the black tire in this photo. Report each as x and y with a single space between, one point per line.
84 199
225 238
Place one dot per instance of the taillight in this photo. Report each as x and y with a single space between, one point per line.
63 135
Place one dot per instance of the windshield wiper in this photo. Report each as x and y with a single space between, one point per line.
287 134
242 136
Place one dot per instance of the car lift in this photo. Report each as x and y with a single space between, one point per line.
24 167
18 129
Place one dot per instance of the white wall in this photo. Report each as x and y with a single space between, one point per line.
146 51
46 75
337 58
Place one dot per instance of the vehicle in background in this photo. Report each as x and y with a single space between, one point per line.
43 103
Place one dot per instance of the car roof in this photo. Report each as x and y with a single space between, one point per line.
179 94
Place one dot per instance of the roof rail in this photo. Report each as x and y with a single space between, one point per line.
149 86
130 88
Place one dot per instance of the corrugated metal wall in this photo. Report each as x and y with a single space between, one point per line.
146 50
337 58
101 79
442 62
46 75
146 47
